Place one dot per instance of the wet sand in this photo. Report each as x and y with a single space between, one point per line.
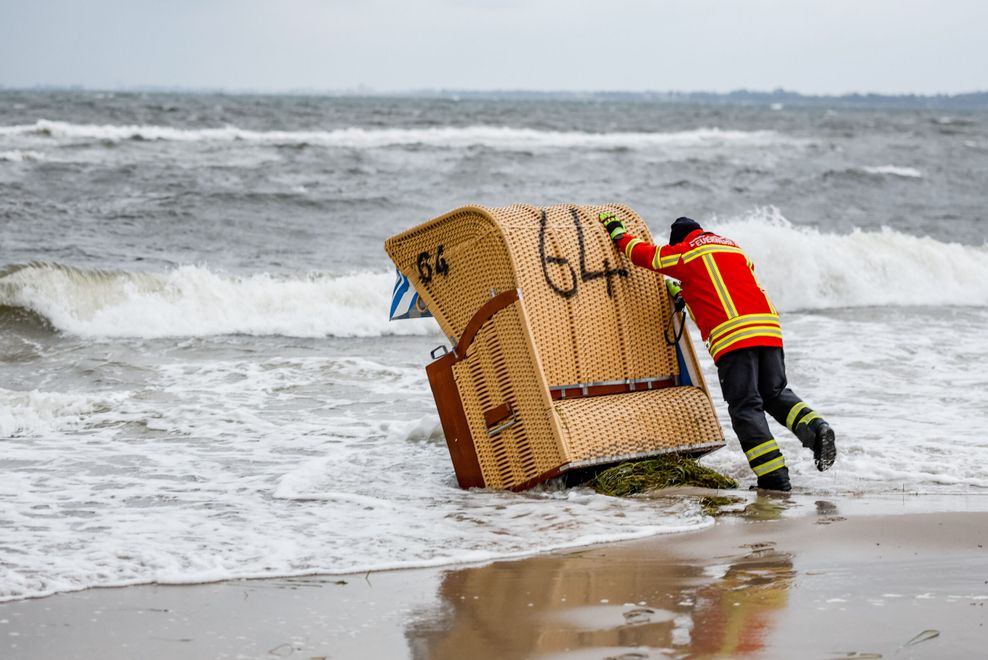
780 578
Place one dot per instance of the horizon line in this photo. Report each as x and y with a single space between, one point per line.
364 90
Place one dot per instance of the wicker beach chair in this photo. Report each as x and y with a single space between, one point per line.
559 362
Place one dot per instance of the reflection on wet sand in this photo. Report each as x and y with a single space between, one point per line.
579 606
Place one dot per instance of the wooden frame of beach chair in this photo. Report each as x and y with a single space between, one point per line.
559 362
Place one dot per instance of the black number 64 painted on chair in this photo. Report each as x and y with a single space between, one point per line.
425 267
585 276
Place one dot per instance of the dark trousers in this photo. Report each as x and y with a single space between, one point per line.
753 381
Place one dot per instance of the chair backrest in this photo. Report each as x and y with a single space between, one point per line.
593 317
559 358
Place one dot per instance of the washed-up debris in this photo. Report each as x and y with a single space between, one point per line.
636 477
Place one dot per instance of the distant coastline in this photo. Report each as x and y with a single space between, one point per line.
972 100
969 100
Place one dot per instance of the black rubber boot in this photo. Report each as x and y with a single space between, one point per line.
818 436
805 434
775 480
824 449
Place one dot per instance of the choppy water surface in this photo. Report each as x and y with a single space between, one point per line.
200 381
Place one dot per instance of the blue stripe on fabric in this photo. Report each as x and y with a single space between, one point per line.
401 287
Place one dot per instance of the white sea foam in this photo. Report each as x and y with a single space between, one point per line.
194 301
498 137
37 413
19 156
902 388
215 469
217 462
803 268
893 170
210 468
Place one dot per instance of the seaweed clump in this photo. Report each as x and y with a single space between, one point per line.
655 473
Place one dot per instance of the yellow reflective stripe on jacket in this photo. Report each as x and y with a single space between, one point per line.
746 333
792 414
761 450
705 250
730 325
667 261
718 281
771 466
631 246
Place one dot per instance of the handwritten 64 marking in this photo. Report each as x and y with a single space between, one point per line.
607 273
425 265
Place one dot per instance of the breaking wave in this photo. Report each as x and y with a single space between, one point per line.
802 268
497 137
36 413
18 156
875 172
194 301
893 170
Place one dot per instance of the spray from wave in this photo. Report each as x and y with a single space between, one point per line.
893 170
495 137
194 301
37 413
18 156
803 268
875 173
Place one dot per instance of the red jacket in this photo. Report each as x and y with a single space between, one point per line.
719 286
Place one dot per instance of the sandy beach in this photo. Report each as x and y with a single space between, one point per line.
781 577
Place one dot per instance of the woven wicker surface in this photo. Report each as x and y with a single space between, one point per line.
585 315
475 254
605 428
595 317
500 368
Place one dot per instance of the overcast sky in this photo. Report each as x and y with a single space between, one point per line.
809 46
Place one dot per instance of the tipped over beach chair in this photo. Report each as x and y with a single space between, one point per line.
559 360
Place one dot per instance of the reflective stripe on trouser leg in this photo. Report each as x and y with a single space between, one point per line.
800 414
809 418
798 419
796 415
738 375
765 457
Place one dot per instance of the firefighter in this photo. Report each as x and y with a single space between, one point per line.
742 331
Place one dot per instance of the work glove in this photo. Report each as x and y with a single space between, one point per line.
676 293
613 225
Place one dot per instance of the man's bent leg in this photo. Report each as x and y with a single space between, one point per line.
738 374
789 410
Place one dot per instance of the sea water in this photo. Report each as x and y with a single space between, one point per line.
199 380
